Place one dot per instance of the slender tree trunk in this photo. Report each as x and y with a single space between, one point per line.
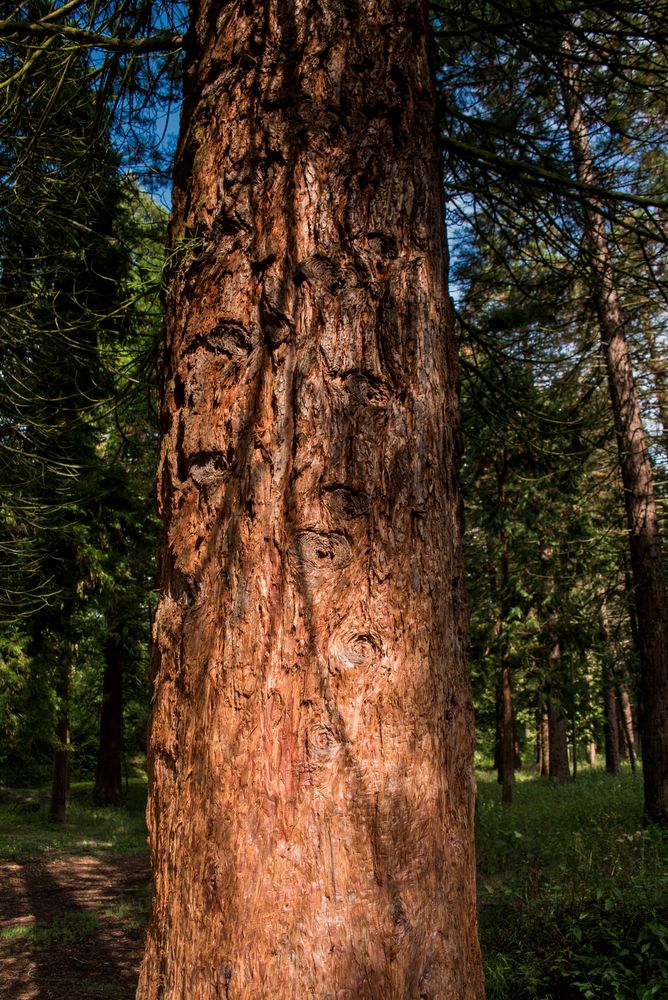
498 734
627 718
539 742
108 788
591 726
545 742
574 727
507 730
60 789
559 769
611 722
557 724
311 801
637 477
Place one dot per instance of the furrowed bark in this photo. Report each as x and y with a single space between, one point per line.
311 805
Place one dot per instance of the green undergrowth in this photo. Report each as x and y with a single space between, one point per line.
573 891
27 831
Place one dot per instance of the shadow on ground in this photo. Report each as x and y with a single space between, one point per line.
72 928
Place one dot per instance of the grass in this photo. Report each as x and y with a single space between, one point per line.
69 927
573 891
26 830
132 910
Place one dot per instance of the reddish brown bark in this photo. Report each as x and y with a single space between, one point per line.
636 470
311 806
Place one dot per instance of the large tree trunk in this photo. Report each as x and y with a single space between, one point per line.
636 470
311 802
108 788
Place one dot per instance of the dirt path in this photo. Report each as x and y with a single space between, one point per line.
72 928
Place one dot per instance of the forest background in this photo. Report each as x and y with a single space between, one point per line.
554 151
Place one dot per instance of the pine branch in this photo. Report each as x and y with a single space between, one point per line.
162 42
521 168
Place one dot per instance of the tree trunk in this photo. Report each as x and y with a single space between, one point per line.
636 470
559 770
311 800
627 719
611 721
507 729
574 726
591 722
60 789
507 733
108 788
545 742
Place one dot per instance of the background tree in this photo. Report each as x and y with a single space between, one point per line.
74 282
503 105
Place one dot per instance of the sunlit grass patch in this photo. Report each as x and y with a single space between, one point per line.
27 831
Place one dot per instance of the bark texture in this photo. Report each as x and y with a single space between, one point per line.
649 586
311 807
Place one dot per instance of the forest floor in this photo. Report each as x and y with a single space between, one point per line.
72 928
74 899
